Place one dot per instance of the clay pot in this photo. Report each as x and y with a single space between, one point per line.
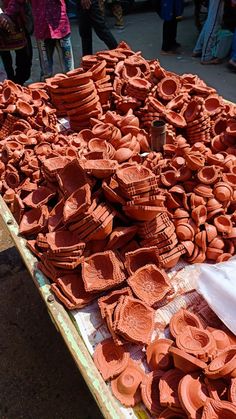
197 342
193 394
158 135
185 362
110 359
181 320
157 354
224 364
126 387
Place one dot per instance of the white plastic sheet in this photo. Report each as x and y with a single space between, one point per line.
217 284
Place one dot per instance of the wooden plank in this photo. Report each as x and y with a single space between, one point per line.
63 323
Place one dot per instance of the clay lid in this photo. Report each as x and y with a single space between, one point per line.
110 359
168 387
197 341
181 320
150 284
150 392
185 362
215 409
193 393
157 354
136 321
126 387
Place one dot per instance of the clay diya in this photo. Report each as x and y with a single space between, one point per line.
168 387
185 362
150 392
208 174
102 271
33 221
193 393
135 321
110 359
126 387
64 241
139 258
223 365
150 284
77 203
167 88
223 224
218 409
183 318
38 197
158 354
197 342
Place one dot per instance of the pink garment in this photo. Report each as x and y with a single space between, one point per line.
50 19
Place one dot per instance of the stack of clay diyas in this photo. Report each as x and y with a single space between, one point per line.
198 121
75 95
190 375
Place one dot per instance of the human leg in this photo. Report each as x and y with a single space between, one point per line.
85 31
43 60
49 48
212 24
7 62
98 23
232 61
24 62
65 52
169 35
117 12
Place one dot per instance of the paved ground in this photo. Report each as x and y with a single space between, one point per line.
38 379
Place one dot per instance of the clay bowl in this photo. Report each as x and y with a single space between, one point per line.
186 362
197 342
223 365
193 393
150 284
158 354
181 320
110 359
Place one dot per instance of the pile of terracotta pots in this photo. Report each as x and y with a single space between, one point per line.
107 217
190 375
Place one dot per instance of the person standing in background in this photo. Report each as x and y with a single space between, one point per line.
91 17
52 31
232 61
16 10
207 39
170 12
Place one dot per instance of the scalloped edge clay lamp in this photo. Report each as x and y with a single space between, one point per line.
158 135
110 359
183 318
157 354
193 394
126 387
